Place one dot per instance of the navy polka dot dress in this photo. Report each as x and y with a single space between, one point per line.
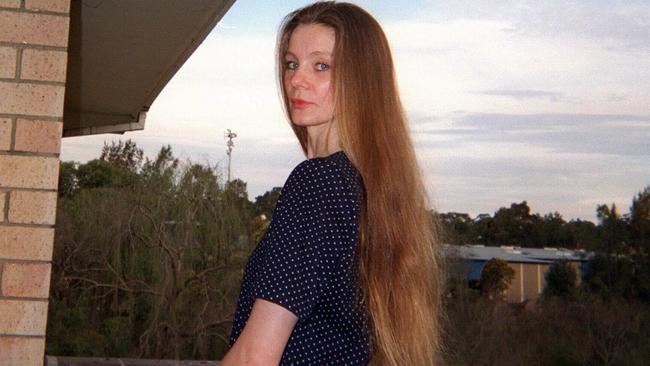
306 263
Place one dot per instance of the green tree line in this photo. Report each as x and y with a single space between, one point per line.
515 225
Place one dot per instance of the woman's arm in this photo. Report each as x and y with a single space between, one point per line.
264 336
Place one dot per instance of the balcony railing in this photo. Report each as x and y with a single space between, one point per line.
100 361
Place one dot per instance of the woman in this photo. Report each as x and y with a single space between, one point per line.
347 272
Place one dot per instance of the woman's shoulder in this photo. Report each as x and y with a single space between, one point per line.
334 170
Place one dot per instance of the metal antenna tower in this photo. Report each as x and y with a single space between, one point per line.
229 135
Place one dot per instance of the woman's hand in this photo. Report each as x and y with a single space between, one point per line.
264 336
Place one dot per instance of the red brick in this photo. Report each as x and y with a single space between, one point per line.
38 136
44 65
5 133
26 279
28 243
29 172
59 6
8 62
22 351
28 207
23 317
9 3
35 29
31 99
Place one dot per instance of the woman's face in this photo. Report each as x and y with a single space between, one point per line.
308 75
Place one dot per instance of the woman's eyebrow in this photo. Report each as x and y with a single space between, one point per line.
320 53
313 53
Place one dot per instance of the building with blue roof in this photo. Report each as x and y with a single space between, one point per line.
529 264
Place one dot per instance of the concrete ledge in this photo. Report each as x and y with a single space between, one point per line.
94 361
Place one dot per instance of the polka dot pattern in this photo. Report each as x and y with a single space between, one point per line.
306 263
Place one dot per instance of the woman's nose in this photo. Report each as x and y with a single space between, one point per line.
299 79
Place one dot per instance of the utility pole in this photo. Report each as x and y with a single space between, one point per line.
229 135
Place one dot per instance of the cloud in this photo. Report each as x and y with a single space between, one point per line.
619 24
557 162
619 135
524 94
441 65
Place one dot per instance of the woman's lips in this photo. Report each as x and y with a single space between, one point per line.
299 103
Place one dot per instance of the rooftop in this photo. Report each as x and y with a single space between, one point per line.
546 255
121 54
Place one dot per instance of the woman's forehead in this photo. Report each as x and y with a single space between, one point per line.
311 39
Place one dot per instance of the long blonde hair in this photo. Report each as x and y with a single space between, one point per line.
399 268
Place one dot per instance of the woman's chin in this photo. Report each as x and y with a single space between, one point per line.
307 122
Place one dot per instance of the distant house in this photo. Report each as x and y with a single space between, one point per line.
530 265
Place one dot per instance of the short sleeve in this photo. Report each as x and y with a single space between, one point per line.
314 220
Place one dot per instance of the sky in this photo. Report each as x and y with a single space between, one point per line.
543 101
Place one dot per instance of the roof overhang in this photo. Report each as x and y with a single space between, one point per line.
121 54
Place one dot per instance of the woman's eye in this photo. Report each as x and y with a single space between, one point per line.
291 65
322 67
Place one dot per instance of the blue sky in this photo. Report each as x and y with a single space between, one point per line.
547 102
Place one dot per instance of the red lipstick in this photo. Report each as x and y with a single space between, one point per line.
299 103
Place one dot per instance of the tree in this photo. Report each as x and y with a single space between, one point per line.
164 165
483 227
640 220
236 191
126 155
549 230
101 174
68 179
610 276
613 229
513 225
495 278
265 204
581 234
561 280
260 225
238 188
457 228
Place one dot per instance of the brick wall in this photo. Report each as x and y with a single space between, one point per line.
33 58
